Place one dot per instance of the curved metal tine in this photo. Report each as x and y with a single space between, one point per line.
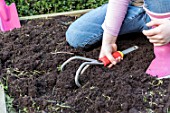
83 67
73 58
78 73
95 62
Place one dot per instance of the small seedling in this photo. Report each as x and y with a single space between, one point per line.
156 82
59 68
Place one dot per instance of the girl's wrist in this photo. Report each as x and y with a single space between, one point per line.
108 38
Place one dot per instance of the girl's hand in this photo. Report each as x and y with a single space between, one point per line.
108 47
160 33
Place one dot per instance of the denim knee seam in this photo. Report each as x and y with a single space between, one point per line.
92 40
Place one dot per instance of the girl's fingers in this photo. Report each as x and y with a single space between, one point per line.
155 37
151 32
117 60
159 44
154 23
111 59
110 65
157 40
154 41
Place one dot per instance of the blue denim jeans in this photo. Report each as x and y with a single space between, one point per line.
87 29
157 6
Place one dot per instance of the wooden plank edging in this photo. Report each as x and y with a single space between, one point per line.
2 100
70 13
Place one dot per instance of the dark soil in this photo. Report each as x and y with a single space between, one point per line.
29 66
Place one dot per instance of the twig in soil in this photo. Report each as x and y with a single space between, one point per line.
87 83
63 105
66 23
149 110
51 101
106 96
89 99
62 52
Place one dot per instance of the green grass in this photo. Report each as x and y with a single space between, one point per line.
35 7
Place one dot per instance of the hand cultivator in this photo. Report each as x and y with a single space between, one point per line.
8 17
102 61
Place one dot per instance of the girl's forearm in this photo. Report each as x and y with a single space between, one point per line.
108 38
116 12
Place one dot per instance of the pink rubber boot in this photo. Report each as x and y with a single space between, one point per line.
160 66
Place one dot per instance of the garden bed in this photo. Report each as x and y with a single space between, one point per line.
30 59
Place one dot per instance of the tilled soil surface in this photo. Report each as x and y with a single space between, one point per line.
30 60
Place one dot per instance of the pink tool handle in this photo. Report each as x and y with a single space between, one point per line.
3 10
2 2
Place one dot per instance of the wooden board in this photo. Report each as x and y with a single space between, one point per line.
2 100
70 13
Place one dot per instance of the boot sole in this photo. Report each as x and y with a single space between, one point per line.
168 76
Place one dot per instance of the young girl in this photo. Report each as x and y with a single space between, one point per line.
110 20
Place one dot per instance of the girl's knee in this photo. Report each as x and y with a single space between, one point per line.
73 38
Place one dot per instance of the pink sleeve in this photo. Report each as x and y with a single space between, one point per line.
115 15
